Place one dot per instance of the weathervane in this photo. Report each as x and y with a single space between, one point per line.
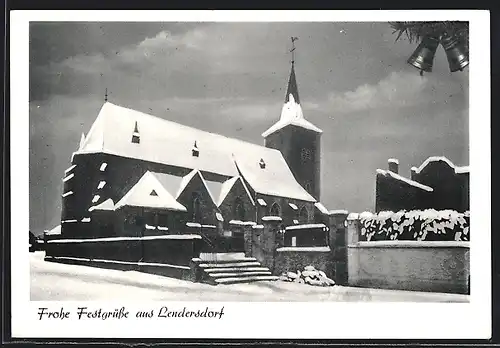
292 50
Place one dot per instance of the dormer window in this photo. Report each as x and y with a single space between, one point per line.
262 164
136 137
195 150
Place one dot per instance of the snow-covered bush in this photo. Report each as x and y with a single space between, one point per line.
309 275
429 225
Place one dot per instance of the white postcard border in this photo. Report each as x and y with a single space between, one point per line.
322 320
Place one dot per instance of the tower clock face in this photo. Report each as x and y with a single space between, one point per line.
305 155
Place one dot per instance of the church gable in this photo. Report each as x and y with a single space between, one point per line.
198 200
237 203
149 192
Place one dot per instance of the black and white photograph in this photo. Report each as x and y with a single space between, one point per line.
276 162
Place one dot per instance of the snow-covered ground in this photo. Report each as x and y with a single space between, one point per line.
60 282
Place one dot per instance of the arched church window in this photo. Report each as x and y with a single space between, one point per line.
303 215
306 155
239 209
196 207
275 210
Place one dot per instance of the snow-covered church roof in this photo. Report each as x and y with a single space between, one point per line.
291 113
166 142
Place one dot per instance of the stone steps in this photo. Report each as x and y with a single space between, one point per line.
228 270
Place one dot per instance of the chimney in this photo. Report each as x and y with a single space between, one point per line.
393 165
413 173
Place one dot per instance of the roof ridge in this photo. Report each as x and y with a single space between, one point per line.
436 159
186 126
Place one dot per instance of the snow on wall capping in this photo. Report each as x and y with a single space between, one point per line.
393 160
322 249
236 222
339 211
410 244
258 226
305 227
261 202
321 208
403 179
193 224
457 169
272 218
118 239
353 216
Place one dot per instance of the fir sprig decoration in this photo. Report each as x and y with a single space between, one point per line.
415 31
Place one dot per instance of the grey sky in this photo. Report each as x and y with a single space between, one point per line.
230 78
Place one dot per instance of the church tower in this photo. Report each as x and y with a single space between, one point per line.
298 140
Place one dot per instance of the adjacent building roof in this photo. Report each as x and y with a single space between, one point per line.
457 169
170 143
403 179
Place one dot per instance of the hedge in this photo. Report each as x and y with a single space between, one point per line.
419 225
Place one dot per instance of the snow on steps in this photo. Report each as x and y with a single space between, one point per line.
219 270
231 271
244 279
230 264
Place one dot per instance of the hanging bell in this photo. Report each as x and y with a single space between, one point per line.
423 57
458 57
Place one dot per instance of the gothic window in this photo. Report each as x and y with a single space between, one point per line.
305 155
196 207
275 210
239 209
303 215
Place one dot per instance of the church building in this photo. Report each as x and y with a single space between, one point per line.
135 174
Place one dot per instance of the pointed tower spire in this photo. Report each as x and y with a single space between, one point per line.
292 81
292 89
291 113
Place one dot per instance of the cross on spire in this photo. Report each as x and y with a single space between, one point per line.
292 50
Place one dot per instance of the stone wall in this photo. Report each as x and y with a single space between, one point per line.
408 265
437 266
176 250
296 258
